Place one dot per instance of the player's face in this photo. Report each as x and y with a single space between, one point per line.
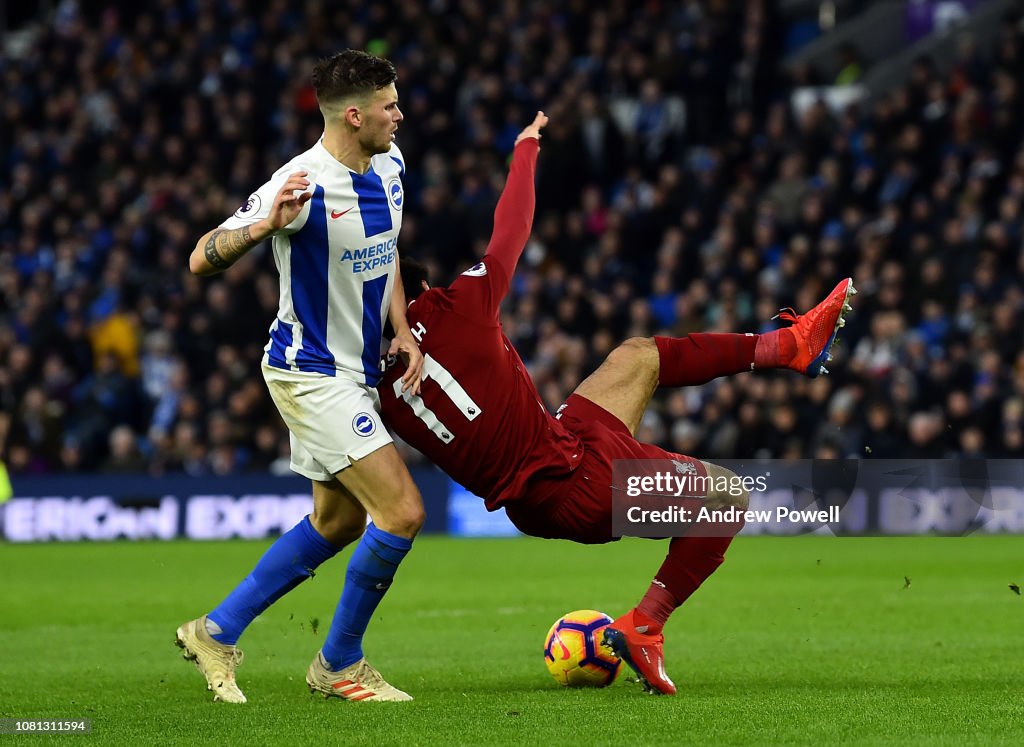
380 120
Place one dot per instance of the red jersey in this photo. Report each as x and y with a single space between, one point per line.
478 415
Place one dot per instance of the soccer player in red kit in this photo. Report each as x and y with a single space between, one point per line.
480 419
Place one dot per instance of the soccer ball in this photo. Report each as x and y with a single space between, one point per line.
574 654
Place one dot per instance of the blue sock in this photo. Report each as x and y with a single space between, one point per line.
370 572
289 561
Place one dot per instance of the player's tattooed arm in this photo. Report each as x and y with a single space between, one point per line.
225 247
220 248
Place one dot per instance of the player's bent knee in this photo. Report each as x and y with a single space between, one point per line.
638 356
634 348
726 489
404 515
403 521
414 521
741 499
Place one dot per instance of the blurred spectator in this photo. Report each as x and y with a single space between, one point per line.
125 456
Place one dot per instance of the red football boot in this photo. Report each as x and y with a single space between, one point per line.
816 331
642 652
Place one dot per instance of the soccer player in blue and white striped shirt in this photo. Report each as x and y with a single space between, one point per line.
333 213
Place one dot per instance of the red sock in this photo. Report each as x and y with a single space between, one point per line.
775 349
654 609
690 561
702 356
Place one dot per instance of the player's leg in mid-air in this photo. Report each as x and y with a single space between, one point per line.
210 641
623 386
803 347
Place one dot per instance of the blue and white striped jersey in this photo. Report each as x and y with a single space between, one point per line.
337 263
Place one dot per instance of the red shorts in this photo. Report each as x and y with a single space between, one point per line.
578 506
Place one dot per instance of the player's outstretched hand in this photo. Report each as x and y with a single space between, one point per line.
287 206
405 345
533 129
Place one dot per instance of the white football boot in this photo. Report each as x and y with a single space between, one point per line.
216 661
359 681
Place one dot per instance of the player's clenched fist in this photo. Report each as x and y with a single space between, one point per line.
287 206
533 129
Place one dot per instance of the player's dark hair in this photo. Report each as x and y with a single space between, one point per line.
351 73
414 274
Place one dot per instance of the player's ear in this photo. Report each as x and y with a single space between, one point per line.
425 285
353 116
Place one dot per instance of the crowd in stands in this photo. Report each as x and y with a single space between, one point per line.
678 191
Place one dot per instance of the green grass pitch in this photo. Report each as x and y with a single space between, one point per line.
806 640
